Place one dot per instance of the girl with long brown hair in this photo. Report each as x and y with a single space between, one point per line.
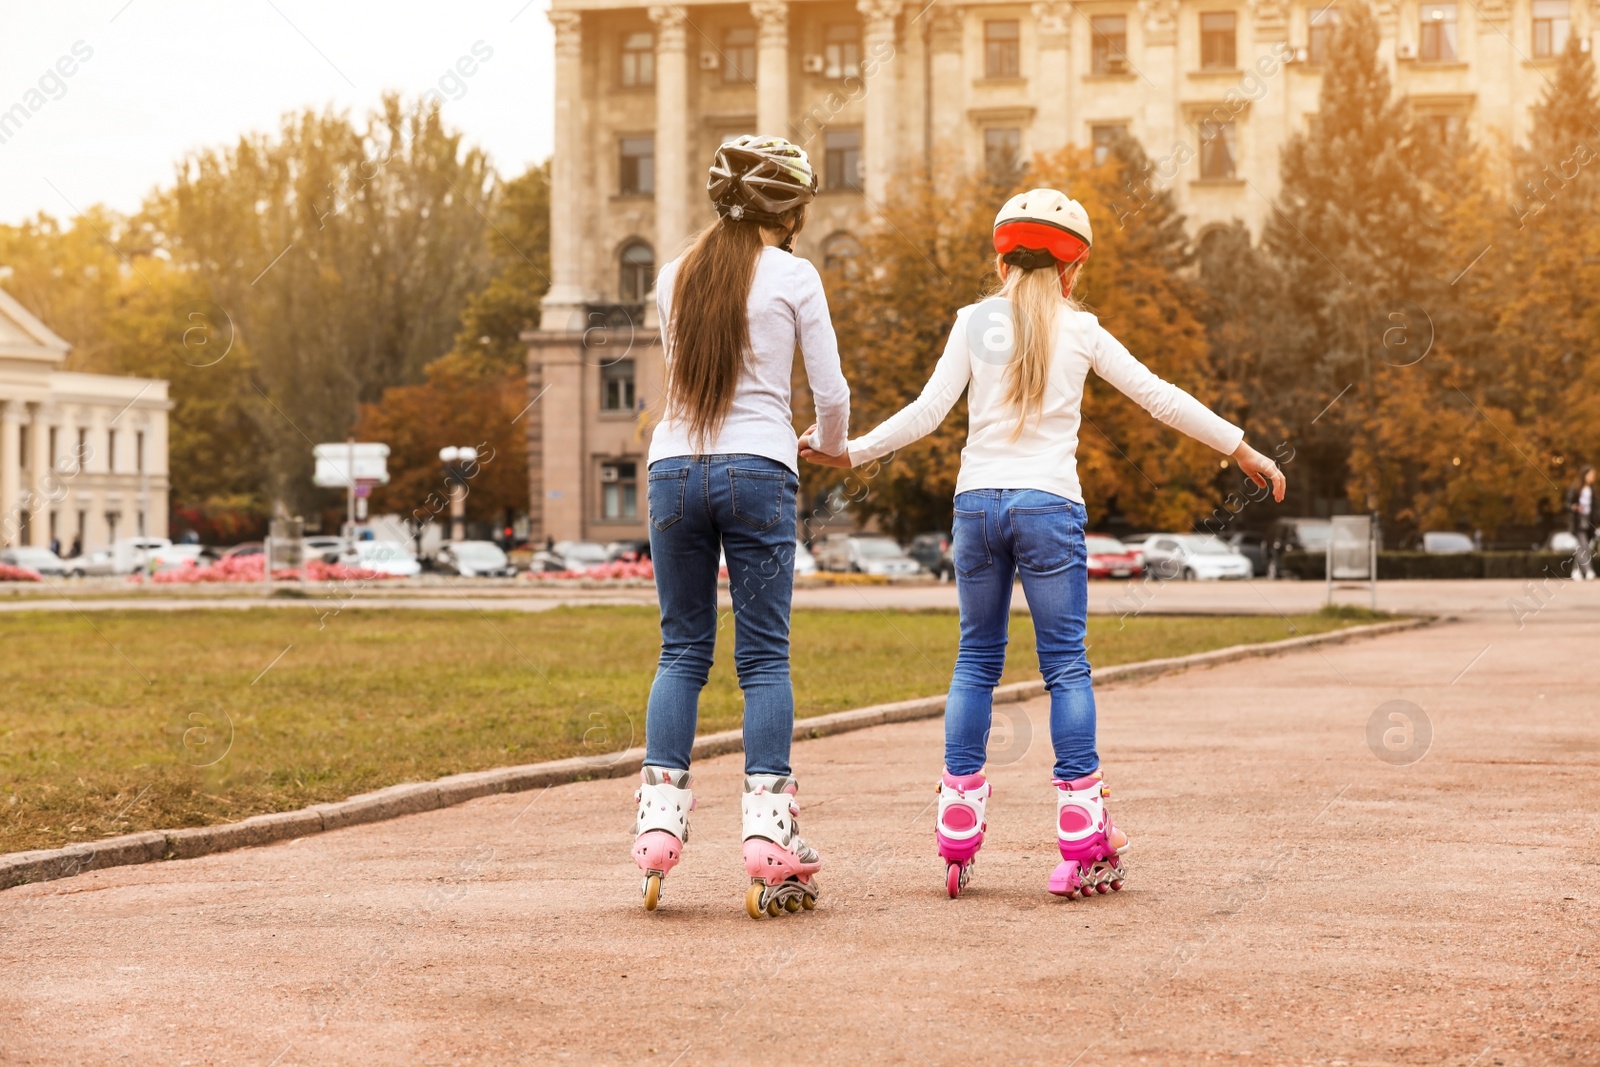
1022 356
724 471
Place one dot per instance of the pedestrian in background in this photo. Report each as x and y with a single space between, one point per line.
1580 517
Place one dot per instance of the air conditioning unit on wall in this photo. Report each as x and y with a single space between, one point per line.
814 64
608 473
1297 55
710 61
1405 51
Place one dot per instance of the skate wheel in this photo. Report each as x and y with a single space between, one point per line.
773 907
952 880
809 902
652 891
1103 888
1116 883
791 905
752 900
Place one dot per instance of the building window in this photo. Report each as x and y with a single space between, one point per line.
82 534
1219 149
1217 40
53 454
619 490
638 265
1108 44
638 165
1002 153
1104 138
1319 33
638 60
83 451
111 451
141 524
841 50
22 448
616 386
138 451
1001 52
1440 129
1551 23
839 253
739 54
842 159
1437 36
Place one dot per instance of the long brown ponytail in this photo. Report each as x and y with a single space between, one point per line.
710 328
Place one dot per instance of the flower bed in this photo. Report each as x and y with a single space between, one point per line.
246 569
9 573
610 572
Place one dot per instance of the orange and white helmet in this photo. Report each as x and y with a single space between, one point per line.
1042 228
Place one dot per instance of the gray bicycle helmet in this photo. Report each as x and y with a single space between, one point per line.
760 179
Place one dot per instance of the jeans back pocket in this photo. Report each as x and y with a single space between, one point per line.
1048 539
970 533
666 493
757 495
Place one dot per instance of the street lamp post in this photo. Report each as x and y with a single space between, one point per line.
459 465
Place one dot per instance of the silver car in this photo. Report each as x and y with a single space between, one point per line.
40 561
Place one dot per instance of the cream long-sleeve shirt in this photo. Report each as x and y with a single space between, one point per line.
787 307
1045 456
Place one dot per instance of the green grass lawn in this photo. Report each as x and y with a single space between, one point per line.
116 721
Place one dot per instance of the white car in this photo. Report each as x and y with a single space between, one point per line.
1446 543
125 556
880 556
1193 557
804 561
385 557
40 561
322 546
475 559
174 557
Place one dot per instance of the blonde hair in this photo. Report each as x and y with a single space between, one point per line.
1036 297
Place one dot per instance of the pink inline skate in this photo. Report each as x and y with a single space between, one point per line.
661 827
780 864
1091 847
960 826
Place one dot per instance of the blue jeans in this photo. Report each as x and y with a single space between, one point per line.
744 505
1000 533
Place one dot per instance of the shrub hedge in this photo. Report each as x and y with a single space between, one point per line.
1461 565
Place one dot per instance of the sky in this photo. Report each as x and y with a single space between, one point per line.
152 80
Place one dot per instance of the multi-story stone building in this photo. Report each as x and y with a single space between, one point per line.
1212 88
82 456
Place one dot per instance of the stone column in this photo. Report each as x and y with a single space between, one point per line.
672 131
10 473
772 67
947 90
878 138
1052 129
38 476
1164 125
562 307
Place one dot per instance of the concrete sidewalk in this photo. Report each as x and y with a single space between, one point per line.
1292 898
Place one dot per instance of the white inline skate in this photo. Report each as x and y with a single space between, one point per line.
780 864
661 827
958 830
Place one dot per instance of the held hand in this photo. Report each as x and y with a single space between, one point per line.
821 458
1260 469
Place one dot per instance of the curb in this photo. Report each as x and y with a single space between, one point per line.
43 865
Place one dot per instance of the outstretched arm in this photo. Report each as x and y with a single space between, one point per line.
918 418
820 349
1176 408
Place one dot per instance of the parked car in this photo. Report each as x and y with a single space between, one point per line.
932 550
1295 535
1446 543
474 559
871 554
1110 558
627 551
572 556
1253 547
40 561
247 548
1193 557
1561 541
385 557
804 561
174 557
322 546
127 555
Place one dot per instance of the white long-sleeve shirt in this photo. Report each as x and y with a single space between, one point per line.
1045 456
787 307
